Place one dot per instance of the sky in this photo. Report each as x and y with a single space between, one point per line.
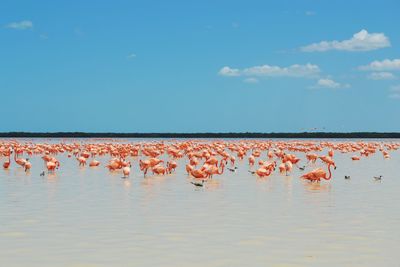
200 66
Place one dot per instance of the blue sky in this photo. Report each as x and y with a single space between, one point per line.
203 66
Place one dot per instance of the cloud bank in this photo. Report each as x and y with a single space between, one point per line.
22 25
329 83
383 65
381 76
361 41
296 70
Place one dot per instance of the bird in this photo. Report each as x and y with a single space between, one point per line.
317 174
378 178
6 164
42 173
27 166
302 168
94 163
126 171
198 184
347 177
230 169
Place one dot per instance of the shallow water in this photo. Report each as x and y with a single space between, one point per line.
91 217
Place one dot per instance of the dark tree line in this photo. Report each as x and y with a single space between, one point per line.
200 135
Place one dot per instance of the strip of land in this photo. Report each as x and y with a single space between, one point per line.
309 135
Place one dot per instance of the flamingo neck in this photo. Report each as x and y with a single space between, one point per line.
330 173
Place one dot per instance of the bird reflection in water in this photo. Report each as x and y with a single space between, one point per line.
317 186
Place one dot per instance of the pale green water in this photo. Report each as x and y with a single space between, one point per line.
90 217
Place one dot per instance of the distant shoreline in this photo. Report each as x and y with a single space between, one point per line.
308 135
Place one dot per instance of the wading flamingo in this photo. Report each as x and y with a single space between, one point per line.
198 174
19 161
82 161
94 163
6 164
318 174
126 171
27 165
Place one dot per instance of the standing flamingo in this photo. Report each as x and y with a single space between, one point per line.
318 174
19 161
126 171
6 164
27 165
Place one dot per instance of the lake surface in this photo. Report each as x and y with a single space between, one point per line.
84 216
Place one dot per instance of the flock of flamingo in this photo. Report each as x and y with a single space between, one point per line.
204 159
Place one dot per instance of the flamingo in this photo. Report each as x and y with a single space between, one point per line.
51 166
312 157
212 161
159 170
171 166
251 160
19 161
282 168
189 168
94 163
6 164
82 161
144 166
126 171
194 161
261 172
199 174
212 169
318 174
232 159
113 165
27 165
288 166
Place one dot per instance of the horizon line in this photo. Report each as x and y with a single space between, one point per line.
77 134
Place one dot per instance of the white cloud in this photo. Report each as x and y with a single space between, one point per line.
383 65
131 56
329 83
361 41
22 25
227 71
251 80
296 70
381 76
291 71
